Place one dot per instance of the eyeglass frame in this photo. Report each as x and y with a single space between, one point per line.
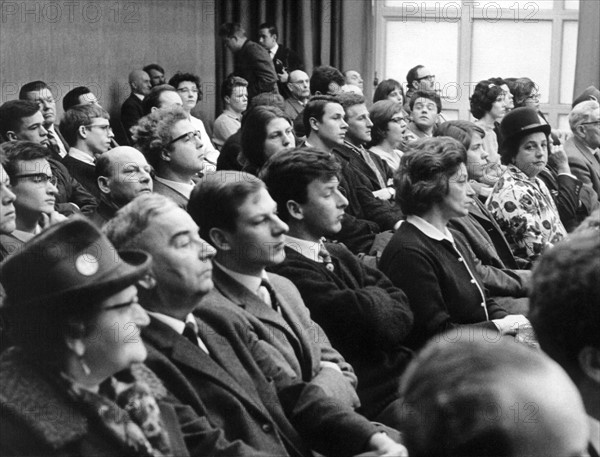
195 133
428 78
107 128
47 179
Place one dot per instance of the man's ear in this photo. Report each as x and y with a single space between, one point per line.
227 99
314 124
76 345
103 184
589 362
11 136
165 155
415 85
220 239
295 210
82 131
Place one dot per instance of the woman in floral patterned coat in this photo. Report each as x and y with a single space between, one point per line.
520 202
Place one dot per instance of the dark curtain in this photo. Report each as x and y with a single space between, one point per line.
322 32
587 69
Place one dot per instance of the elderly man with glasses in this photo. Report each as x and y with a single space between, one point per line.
174 149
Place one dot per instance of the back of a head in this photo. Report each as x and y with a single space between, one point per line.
230 29
322 77
460 390
152 100
153 66
71 98
565 293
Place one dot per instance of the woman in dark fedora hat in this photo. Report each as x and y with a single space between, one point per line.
520 202
74 382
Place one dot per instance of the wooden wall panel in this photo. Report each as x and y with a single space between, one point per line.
97 43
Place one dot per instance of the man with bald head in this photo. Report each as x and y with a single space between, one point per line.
132 109
299 88
122 174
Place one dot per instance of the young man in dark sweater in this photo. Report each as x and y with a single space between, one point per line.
364 315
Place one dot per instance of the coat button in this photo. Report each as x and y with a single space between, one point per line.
267 428
472 281
460 259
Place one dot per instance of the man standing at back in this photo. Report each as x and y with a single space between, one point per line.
252 61
284 59
132 110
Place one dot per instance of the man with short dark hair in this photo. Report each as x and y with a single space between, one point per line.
425 107
225 205
80 95
40 93
132 109
252 61
87 130
284 59
565 314
156 73
234 93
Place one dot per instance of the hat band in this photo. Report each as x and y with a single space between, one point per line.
531 126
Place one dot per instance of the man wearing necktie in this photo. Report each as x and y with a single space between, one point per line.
236 213
366 317
227 374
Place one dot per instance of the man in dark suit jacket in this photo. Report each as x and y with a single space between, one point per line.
132 110
582 150
87 130
223 204
215 363
252 61
366 317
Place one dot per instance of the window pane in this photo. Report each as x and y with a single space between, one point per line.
525 7
571 4
440 56
509 49
567 63
563 123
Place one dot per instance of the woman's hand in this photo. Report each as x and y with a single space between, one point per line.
509 325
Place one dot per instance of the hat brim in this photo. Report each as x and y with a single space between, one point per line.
133 267
529 129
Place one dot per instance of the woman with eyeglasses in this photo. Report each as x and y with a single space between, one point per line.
188 87
74 383
265 131
387 133
34 185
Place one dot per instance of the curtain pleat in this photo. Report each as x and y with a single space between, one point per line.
587 69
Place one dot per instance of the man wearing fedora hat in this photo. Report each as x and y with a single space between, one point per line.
215 362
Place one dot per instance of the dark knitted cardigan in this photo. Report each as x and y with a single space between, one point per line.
365 317
435 277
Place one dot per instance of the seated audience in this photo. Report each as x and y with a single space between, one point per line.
425 108
156 73
436 273
131 109
389 89
218 366
173 149
265 131
80 95
483 395
520 202
87 131
565 315
40 93
225 205
187 86
122 174
387 133
98 396
23 120
488 106
348 299
162 96
299 89
8 215
234 93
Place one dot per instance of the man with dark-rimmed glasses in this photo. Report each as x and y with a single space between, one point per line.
174 149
